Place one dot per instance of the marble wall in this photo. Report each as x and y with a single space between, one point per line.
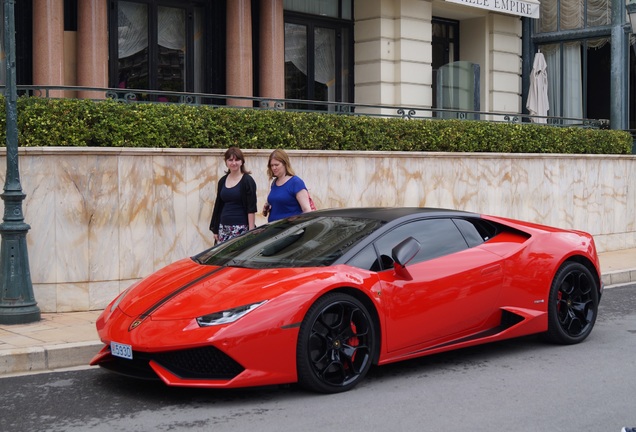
103 218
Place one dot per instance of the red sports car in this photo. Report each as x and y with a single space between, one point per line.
319 298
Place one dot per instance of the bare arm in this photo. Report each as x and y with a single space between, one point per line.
251 221
303 199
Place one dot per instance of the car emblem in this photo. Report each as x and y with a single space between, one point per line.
135 324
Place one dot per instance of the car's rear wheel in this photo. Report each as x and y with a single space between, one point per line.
573 304
335 344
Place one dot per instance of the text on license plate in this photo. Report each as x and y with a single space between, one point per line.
121 350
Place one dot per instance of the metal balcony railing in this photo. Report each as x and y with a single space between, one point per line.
218 100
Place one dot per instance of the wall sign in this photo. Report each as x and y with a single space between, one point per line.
526 8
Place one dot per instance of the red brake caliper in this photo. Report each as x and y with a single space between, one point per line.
353 340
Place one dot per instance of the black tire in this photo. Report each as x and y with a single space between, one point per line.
336 343
572 305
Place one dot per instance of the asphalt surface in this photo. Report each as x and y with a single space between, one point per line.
522 384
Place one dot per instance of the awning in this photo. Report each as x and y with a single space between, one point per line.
525 8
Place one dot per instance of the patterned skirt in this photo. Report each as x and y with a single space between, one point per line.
227 232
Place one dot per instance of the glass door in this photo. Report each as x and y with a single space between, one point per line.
445 47
317 63
159 46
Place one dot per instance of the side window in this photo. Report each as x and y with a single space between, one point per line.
366 259
476 231
438 237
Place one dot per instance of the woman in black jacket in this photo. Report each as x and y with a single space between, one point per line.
235 205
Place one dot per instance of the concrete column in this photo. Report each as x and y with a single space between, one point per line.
48 43
92 47
502 67
272 50
619 68
393 57
239 51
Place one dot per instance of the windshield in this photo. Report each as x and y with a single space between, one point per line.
301 241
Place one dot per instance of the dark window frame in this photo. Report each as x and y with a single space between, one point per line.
445 42
340 26
454 241
214 38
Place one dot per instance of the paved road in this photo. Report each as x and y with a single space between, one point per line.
519 385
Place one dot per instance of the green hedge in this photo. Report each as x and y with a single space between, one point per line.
79 122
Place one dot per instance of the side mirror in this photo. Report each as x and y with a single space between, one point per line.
403 253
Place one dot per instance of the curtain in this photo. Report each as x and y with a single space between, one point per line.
325 59
132 28
573 16
296 46
324 53
171 28
573 82
565 83
314 7
171 33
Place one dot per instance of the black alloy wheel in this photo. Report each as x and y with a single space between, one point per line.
573 304
336 343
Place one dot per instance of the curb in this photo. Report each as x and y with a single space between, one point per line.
619 277
47 358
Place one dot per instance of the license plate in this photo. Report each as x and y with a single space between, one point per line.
121 350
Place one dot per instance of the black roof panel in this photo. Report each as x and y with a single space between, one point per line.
388 214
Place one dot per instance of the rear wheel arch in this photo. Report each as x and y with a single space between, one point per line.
572 303
588 264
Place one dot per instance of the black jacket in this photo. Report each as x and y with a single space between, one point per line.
248 193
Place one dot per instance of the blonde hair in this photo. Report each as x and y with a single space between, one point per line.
281 156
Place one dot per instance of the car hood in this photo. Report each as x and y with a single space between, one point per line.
186 289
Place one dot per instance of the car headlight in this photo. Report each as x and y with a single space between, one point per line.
227 316
118 300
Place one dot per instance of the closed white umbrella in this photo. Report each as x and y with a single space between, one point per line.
538 103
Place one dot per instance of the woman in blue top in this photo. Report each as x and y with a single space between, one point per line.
288 195
235 206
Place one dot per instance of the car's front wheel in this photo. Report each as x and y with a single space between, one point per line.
335 344
573 304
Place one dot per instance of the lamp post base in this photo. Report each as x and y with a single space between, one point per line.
19 315
17 302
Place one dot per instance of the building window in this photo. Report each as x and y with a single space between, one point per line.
70 15
578 67
445 47
23 20
327 8
159 46
318 52
578 79
559 15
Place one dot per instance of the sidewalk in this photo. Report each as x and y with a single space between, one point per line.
63 340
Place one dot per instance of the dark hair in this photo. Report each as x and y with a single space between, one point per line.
238 154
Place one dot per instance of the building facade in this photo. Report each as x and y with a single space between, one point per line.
467 54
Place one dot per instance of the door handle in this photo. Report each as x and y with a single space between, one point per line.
491 269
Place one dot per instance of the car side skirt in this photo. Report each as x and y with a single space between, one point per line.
515 322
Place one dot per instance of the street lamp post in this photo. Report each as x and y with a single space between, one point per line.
17 303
